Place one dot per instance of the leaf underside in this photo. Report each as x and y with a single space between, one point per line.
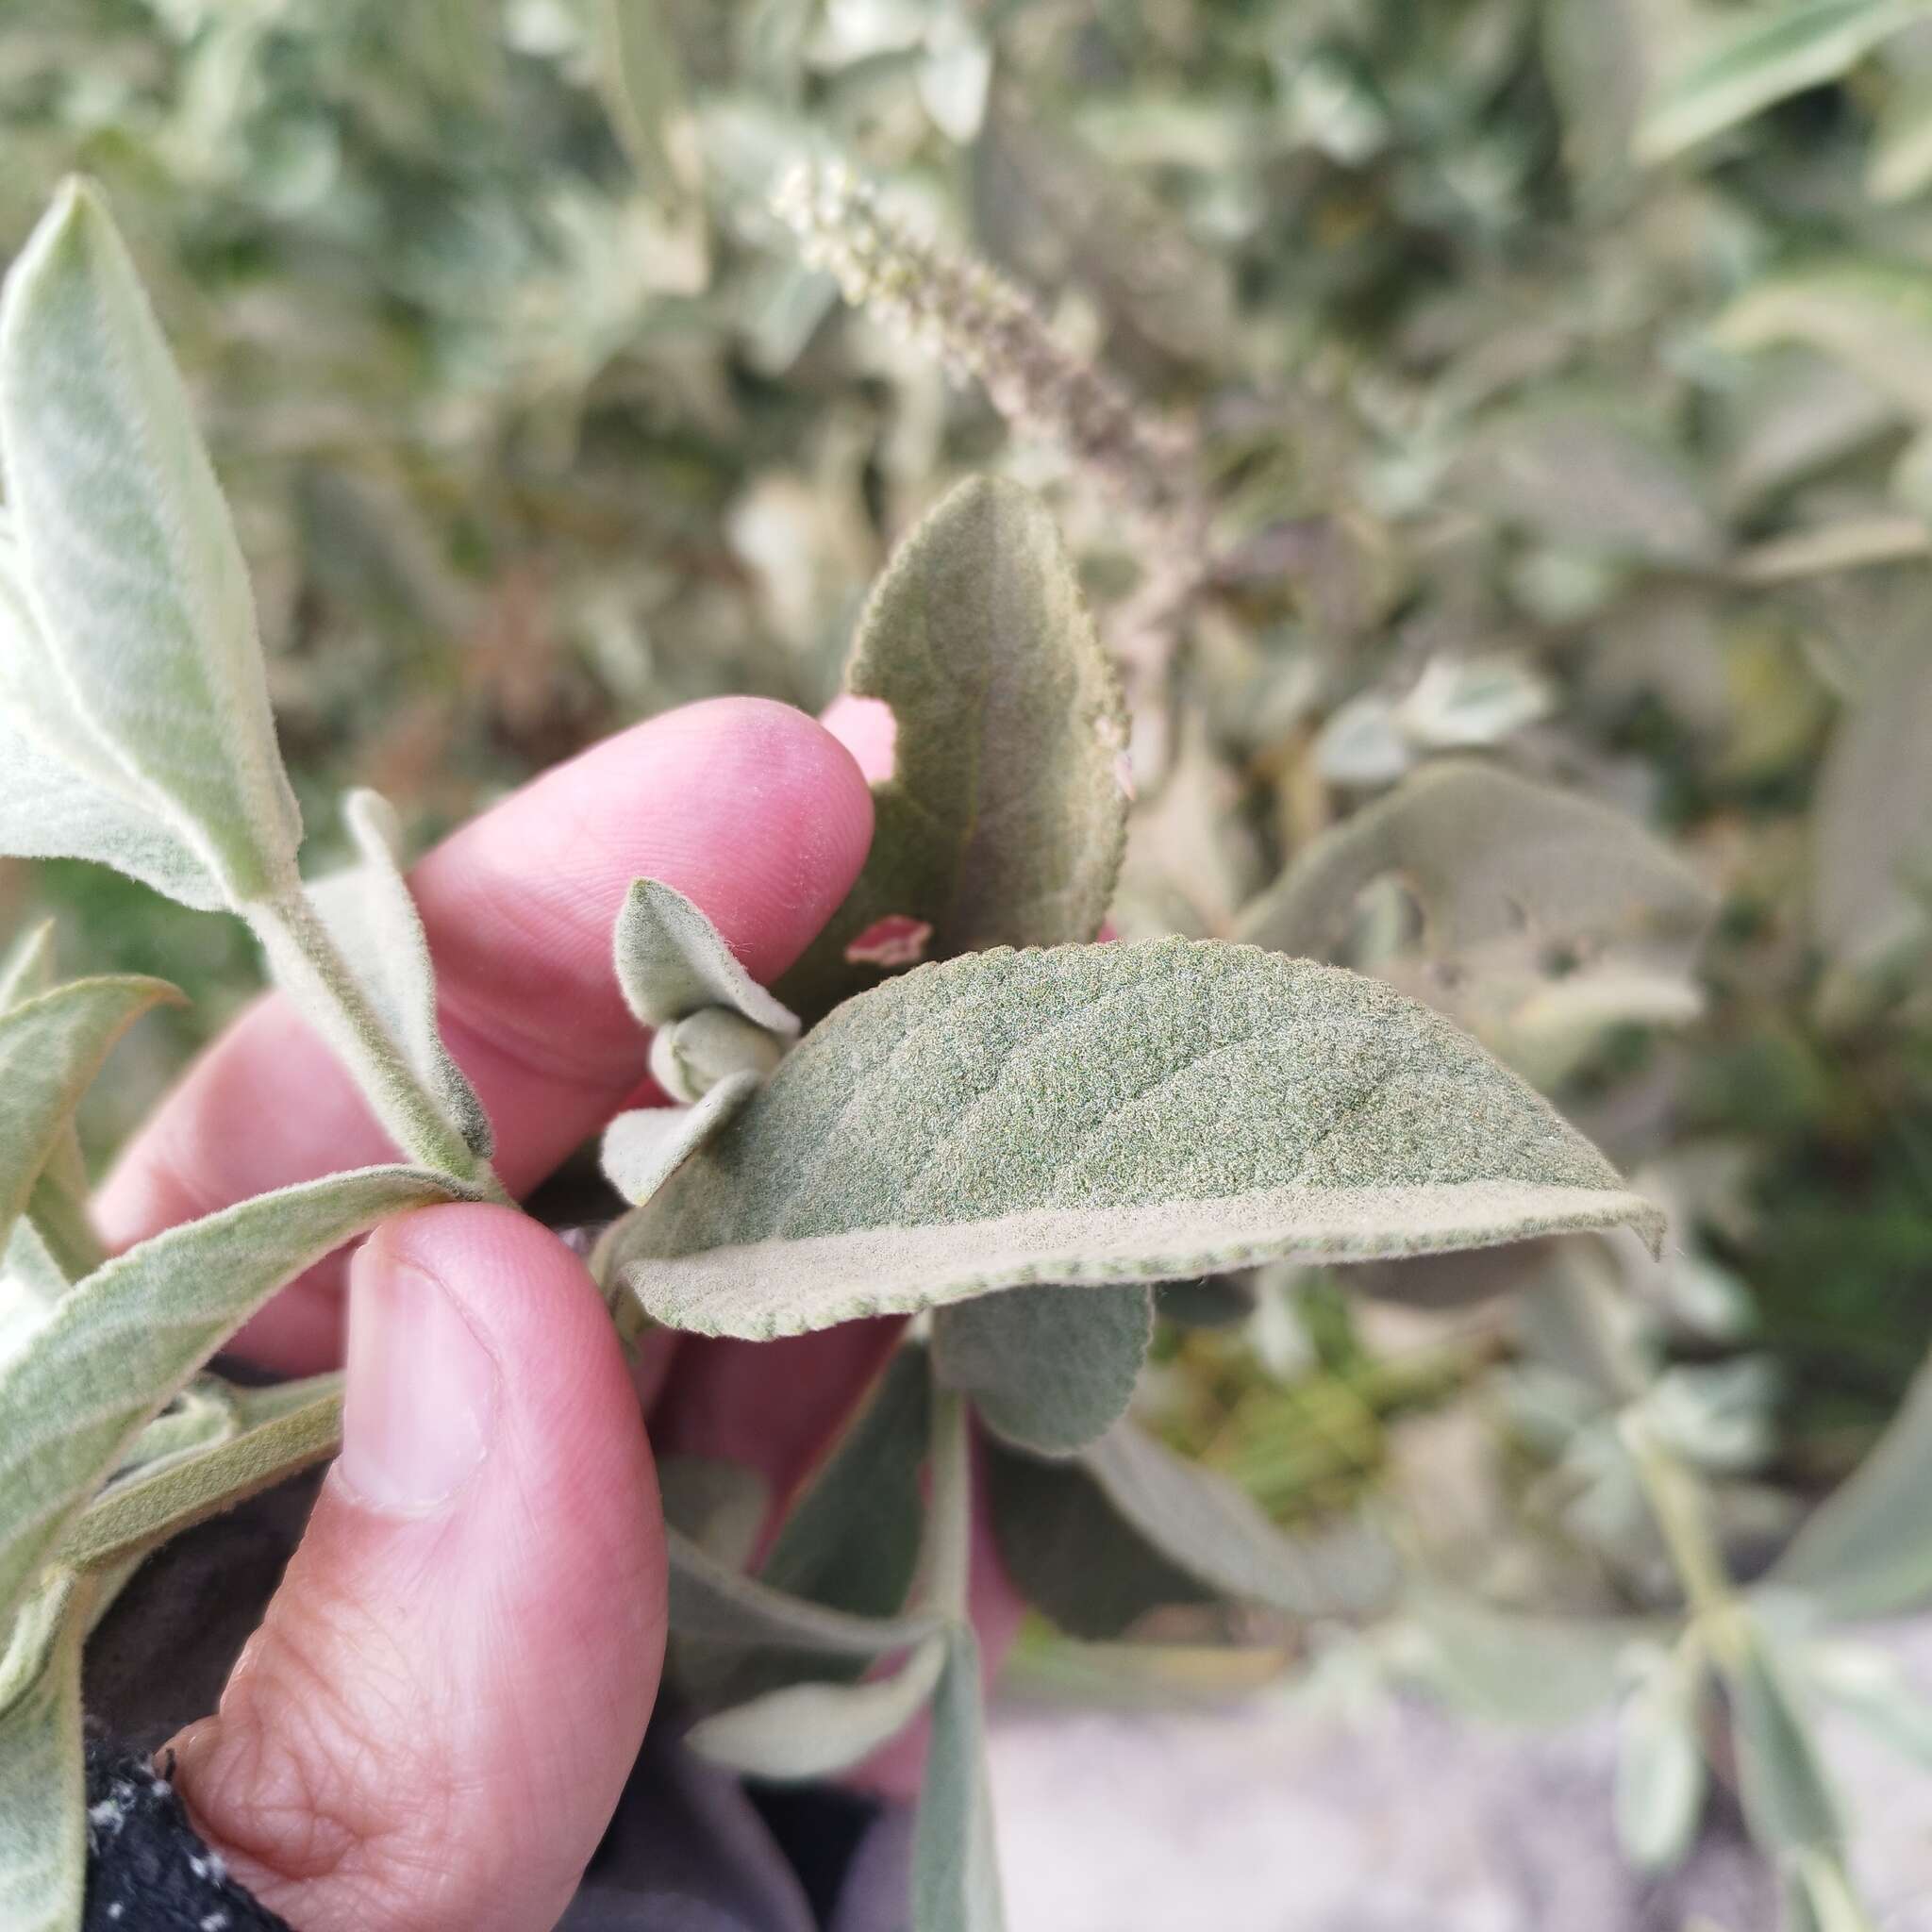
1104 1113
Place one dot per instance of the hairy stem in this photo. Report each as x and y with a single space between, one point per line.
307 965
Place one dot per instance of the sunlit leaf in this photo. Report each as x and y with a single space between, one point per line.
1049 1369
372 916
1098 1114
1002 820
124 1340
1770 54
134 574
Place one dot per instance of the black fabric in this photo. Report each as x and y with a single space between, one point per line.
146 1869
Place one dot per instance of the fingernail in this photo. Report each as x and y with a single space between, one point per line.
420 1391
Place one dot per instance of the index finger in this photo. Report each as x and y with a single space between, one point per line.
748 807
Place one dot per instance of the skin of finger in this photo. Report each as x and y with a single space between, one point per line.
749 808
434 1723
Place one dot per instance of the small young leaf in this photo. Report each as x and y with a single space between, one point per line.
42 1788
372 917
955 1878
131 564
1660 1769
1486 854
673 962
1093 1114
124 1340
1004 820
1866 1551
1771 52
50 1050
693 1055
818 1730
161 1502
711 1601
645 1146
1049 1369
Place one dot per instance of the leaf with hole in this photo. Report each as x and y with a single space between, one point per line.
1049 1369
1100 1114
1003 820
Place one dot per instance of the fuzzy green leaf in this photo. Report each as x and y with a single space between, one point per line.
161 1502
51 1047
1488 856
711 1601
1771 54
645 1146
673 962
1866 1551
955 1878
131 564
1049 1369
818 1730
1002 822
1109 1113
42 1790
124 1340
372 917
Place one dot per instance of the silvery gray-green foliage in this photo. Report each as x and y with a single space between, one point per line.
1102 1114
373 918
122 1340
671 963
128 560
43 1790
955 1863
646 1146
1003 819
1047 1370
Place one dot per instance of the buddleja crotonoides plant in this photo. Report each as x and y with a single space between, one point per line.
1066 1123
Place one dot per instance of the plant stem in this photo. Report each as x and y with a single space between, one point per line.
949 1566
1683 1514
307 965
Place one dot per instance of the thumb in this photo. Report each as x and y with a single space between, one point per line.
433 1723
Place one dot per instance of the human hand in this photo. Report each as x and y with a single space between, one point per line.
434 1722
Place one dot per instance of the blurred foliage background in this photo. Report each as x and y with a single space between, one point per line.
1546 381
